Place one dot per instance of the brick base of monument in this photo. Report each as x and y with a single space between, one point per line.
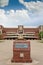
21 54
20 60
17 58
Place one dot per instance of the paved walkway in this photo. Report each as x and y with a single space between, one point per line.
6 53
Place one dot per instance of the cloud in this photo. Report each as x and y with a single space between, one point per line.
4 3
3 17
20 17
33 6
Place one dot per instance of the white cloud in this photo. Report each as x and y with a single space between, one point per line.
3 17
20 17
2 12
33 6
4 3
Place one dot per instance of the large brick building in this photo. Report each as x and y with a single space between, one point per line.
20 32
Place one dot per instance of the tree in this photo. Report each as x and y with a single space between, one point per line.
41 35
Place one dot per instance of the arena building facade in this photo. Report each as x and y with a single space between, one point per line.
20 32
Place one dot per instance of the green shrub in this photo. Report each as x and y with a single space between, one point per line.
41 35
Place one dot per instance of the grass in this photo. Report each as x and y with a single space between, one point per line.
1 41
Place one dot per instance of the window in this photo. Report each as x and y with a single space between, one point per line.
21 45
20 31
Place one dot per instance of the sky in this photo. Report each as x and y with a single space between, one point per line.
21 12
